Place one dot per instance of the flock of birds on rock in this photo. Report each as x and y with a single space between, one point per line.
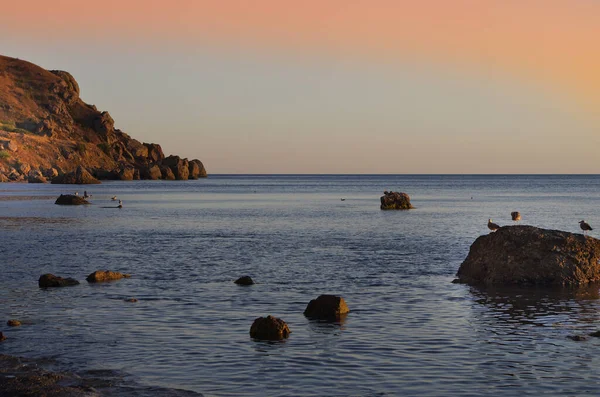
517 217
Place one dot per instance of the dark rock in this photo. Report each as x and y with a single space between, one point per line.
50 280
105 275
395 201
167 174
69 79
131 300
196 169
126 173
269 328
151 172
244 280
578 338
70 199
326 307
13 323
80 176
179 166
515 215
2 337
104 125
530 255
137 149
36 176
595 334
155 153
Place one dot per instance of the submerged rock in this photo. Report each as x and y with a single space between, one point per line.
395 201
105 275
326 307
269 328
70 199
13 323
244 280
530 255
50 280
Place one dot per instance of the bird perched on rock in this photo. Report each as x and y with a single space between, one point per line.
585 226
493 226
515 215
120 204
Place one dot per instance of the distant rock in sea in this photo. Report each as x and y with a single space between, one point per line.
530 255
105 275
327 307
70 199
395 201
269 328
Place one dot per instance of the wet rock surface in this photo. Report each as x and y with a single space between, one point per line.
50 280
70 199
105 275
531 255
269 328
327 307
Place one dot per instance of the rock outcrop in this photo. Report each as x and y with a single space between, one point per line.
50 280
45 125
530 255
80 176
326 307
70 199
395 201
269 328
105 275
244 280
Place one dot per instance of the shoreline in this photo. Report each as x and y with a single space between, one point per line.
21 376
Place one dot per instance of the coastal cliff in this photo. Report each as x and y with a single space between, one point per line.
46 131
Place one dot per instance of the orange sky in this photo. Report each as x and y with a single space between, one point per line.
554 42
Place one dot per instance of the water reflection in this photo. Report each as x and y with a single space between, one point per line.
540 306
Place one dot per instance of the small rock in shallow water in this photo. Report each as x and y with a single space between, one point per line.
50 280
105 275
244 280
2 337
13 323
578 338
132 300
595 334
326 307
269 328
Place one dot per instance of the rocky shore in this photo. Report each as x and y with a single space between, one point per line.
48 134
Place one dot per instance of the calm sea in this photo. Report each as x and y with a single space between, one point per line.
410 331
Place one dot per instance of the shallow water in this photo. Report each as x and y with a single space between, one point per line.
410 330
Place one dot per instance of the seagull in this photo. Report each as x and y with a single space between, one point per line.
343 199
516 216
120 204
492 226
585 226
114 198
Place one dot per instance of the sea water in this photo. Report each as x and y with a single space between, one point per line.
410 330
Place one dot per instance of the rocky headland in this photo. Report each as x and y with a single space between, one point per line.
529 255
47 133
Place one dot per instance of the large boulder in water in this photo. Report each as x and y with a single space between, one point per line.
197 169
70 199
269 328
80 176
395 201
326 307
530 255
179 166
50 280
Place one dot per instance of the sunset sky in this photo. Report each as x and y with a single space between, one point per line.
332 86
